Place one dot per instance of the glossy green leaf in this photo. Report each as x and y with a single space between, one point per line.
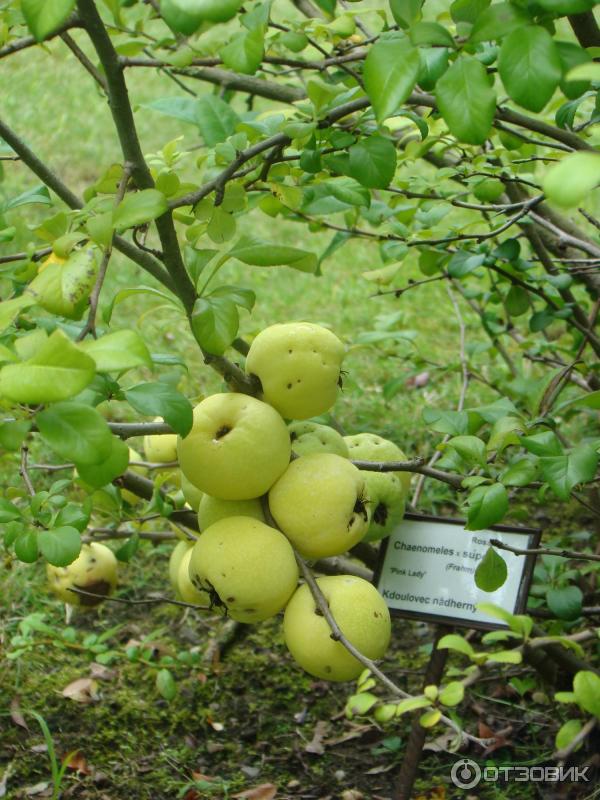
373 162
452 641
215 118
162 400
138 208
10 309
567 732
567 183
60 546
466 100
115 464
564 472
405 12
565 601
215 322
491 572
76 432
26 546
390 74
497 21
165 683
487 505
452 694
43 17
259 253
469 448
244 52
586 686
58 371
530 66
118 351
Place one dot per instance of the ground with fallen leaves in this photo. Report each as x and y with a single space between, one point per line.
245 722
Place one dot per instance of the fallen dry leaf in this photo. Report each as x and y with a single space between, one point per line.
352 794
83 690
78 762
16 714
499 738
266 791
102 673
316 744
4 780
42 788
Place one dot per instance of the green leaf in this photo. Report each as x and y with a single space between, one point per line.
452 641
430 718
498 21
75 515
466 100
487 506
491 572
584 72
244 53
115 464
161 400
60 546
470 448
221 227
181 108
530 67
43 17
543 444
259 253
118 351
40 195
12 434
165 683
361 703
567 183
590 400
76 432
373 162
455 423
586 686
571 55
125 293
516 301
129 549
564 472
390 74
215 322
26 546
215 118
411 704
563 7
9 309
452 694
58 371
138 208
567 732
506 657
430 33
8 511
405 12
519 474
241 296
434 62
566 602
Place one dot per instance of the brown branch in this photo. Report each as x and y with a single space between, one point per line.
31 41
585 28
545 551
84 60
418 466
142 602
90 325
23 471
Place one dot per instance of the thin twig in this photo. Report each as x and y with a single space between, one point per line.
23 471
144 601
545 551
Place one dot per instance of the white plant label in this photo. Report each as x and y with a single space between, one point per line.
427 570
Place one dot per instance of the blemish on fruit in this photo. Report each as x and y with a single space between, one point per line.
223 431
380 514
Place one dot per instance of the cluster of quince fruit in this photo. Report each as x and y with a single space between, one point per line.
265 489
